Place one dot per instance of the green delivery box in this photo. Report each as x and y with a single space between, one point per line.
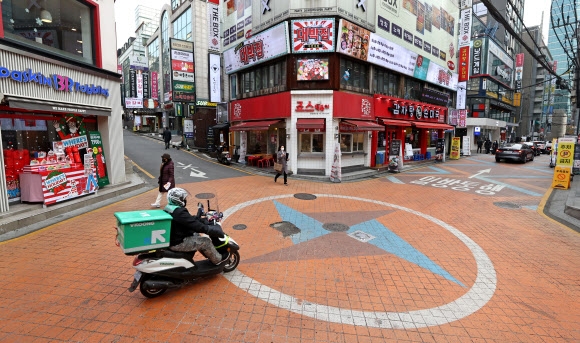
143 230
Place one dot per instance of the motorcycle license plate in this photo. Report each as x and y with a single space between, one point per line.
137 276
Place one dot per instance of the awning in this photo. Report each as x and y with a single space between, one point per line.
396 122
54 106
310 123
364 125
437 126
253 125
220 126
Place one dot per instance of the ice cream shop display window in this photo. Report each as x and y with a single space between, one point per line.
51 158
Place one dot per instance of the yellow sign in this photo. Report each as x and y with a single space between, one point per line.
565 157
561 177
455 147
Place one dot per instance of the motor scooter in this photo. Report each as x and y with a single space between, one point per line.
223 155
394 165
163 269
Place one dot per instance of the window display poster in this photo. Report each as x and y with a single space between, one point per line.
312 69
100 163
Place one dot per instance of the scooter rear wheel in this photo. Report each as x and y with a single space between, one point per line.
232 262
150 293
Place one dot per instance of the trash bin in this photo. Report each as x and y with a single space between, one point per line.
380 159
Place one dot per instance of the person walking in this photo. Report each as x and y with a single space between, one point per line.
487 146
479 145
494 147
166 178
167 137
282 158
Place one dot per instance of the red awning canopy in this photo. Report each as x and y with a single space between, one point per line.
364 125
253 125
394 122
424 125
310 123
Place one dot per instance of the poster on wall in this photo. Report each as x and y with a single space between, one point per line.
313 35
312 69
262 47
100 163
423 27
237 21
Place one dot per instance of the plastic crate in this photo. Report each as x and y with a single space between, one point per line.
139 231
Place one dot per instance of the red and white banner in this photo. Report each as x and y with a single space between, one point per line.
154 90
313 35
61 185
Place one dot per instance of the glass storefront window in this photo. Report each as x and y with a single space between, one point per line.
354 74
153 55
60 27
182 26
357 142
311 142
257 142
346 142
412 137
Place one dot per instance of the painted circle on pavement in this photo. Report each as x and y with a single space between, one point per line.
474 299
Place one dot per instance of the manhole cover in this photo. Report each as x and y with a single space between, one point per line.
286 228
305 196
335 227
239 227
205 195
361 236
504 204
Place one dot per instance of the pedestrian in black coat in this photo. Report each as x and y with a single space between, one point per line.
487 146
167 137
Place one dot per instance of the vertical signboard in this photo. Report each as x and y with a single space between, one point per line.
182 71
139 85
465 29
132 83
519 72
455 146
463 64
100 162
215 71
477 58
213 18
154 89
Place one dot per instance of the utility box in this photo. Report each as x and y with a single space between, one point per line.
139 231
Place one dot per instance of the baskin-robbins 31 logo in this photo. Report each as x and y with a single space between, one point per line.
58 82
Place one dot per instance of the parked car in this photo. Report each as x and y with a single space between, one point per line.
548 147
521 152
540 147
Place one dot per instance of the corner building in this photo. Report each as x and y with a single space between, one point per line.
60 106
368 78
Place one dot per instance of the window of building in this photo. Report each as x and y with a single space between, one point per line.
62 27
264 77
182 26
311 142
412 89
354 74
233 87
385 82
176 3
352 142
153 55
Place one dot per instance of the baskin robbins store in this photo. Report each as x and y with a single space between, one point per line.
55 129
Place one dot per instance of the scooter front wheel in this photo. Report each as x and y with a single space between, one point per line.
150 292
232 262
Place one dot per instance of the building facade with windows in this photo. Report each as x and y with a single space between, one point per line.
60 112
353 80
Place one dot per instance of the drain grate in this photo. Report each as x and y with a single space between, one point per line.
205 196
239 227
335 227
286 228
508 205
361 236
305 196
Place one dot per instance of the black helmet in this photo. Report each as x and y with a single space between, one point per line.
177 197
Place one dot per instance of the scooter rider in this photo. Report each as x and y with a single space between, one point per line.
185 229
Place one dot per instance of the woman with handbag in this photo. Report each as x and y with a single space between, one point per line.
280 165
166 179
